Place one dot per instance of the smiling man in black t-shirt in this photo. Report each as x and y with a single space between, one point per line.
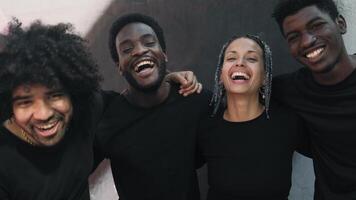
149 131
47 82
323 92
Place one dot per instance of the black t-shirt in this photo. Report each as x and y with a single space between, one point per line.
59 172
152 150
250 160
330 116
39 173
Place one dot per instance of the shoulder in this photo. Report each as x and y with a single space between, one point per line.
196 99
291 77
288 85
4 138
282 113
112 102
204 95
202 101
8 152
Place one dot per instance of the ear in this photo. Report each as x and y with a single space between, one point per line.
341 24
165 57
119 68
220 79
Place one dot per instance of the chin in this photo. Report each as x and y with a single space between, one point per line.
153 87
52 141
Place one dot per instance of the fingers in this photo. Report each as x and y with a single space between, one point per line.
190 78
195 88
200 88
188 82
187 87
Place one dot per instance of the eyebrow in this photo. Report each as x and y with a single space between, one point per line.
19 98
314 19
249 51
308 24
55 91
142 36
23 97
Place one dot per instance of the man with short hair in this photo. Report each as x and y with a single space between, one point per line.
151 142
323 92
47 86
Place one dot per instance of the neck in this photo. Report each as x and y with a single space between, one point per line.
148 99
242 107
339 72
19 132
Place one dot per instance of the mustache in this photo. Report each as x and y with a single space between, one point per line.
53 118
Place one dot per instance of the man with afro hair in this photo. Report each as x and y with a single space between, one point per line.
48 85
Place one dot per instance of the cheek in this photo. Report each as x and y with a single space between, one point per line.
123 60
22 116
293 48
260 74
224 76
63 106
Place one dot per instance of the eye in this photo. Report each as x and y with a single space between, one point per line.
150 43
23 103
126 47
252 59
56 96
127 50
230 59
292 38
316 26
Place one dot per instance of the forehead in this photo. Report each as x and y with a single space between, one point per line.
31 89
133 31
303 17
245 45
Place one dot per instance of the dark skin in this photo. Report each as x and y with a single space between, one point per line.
137 45
315 40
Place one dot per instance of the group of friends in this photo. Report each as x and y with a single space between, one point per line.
58 125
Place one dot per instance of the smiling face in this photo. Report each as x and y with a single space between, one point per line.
314 39
141 59
243 70
42 112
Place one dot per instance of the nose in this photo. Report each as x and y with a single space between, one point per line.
42 111
307 40
139 49
239 62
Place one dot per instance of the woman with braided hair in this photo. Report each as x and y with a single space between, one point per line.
246 126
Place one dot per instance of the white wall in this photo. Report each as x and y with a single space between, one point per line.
348 8
81 13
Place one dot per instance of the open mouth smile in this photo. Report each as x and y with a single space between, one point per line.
143 65
315 53
48 129
239 76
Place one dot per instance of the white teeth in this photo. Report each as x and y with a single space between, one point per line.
144 62
314 53
47 126
241 74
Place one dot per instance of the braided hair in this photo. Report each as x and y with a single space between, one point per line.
219 98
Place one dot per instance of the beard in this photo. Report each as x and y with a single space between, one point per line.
151 88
